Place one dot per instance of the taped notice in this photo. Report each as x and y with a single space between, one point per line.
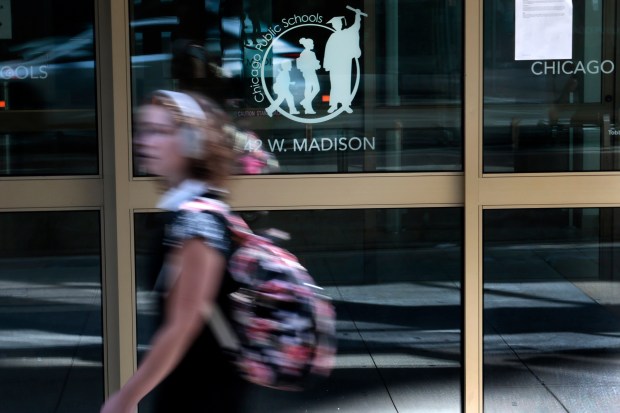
543 29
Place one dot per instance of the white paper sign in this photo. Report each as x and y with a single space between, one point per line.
543 29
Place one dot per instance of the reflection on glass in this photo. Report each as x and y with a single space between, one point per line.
551 319
329 86
395 277
48 90
551 115
50 312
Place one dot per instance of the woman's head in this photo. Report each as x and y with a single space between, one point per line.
181 136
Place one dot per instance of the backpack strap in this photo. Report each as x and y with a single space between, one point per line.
221 328
236 224
212 314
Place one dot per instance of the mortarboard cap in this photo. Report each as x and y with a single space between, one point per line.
335 20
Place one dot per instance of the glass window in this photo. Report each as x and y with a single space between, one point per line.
395 277
329 86
554 115
47 89
551 319
50 312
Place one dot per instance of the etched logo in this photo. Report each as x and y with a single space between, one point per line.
339 59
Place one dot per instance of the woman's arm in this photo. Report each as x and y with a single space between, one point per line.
202 269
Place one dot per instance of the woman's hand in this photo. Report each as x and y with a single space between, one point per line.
118 404
202 269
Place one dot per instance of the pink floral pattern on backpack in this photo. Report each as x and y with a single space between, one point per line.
287 329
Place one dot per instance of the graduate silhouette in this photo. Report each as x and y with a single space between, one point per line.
341 48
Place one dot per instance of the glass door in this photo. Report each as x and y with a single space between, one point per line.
360 103
51 221
548 249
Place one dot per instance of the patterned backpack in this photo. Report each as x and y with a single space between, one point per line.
282 330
